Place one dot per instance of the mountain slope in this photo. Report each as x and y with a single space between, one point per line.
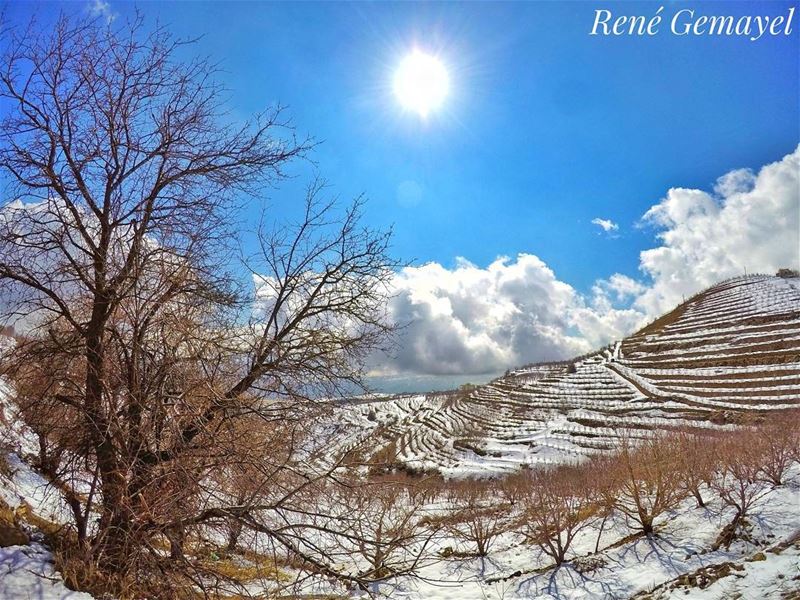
728 353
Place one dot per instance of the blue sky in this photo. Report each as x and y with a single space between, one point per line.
545 129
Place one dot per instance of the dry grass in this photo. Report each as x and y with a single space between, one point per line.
248 568
10 532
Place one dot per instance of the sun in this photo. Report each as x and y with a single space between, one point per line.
421 82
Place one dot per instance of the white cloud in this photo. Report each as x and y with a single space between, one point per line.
734 182
476 320
622 286
752 224
99 8
606 224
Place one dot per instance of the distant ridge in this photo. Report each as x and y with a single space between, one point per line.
722 357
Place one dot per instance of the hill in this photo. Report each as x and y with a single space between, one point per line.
725 356
729 355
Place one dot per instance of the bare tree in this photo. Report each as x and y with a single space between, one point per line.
136 365
386 532
695 461
322 287
514 486
778 439
641 482
477 518
560 503
739 480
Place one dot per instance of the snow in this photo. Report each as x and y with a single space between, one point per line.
733 347
27 573
682 545
545 414
773 578
27 486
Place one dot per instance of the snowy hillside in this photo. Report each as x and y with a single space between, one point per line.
728 354
610 564
730 351
29 508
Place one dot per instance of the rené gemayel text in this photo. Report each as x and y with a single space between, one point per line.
692 22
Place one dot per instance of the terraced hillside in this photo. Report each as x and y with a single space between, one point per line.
728 353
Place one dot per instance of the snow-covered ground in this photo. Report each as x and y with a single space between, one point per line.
762 569
766 567
667 376
27 573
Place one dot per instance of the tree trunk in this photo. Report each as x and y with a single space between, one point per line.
115 519
234 531
176 538
647 524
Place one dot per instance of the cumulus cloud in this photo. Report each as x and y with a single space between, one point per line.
473 320
735 182
605 224
751 223
477 320
620 286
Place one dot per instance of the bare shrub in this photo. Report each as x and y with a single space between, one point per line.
777 440
695 460
560 503
425 489
641 481
787 273
739 481
478 518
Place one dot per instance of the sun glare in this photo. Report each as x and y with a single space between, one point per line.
421 83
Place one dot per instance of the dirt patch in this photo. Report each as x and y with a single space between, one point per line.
11 535
10 532
699 579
